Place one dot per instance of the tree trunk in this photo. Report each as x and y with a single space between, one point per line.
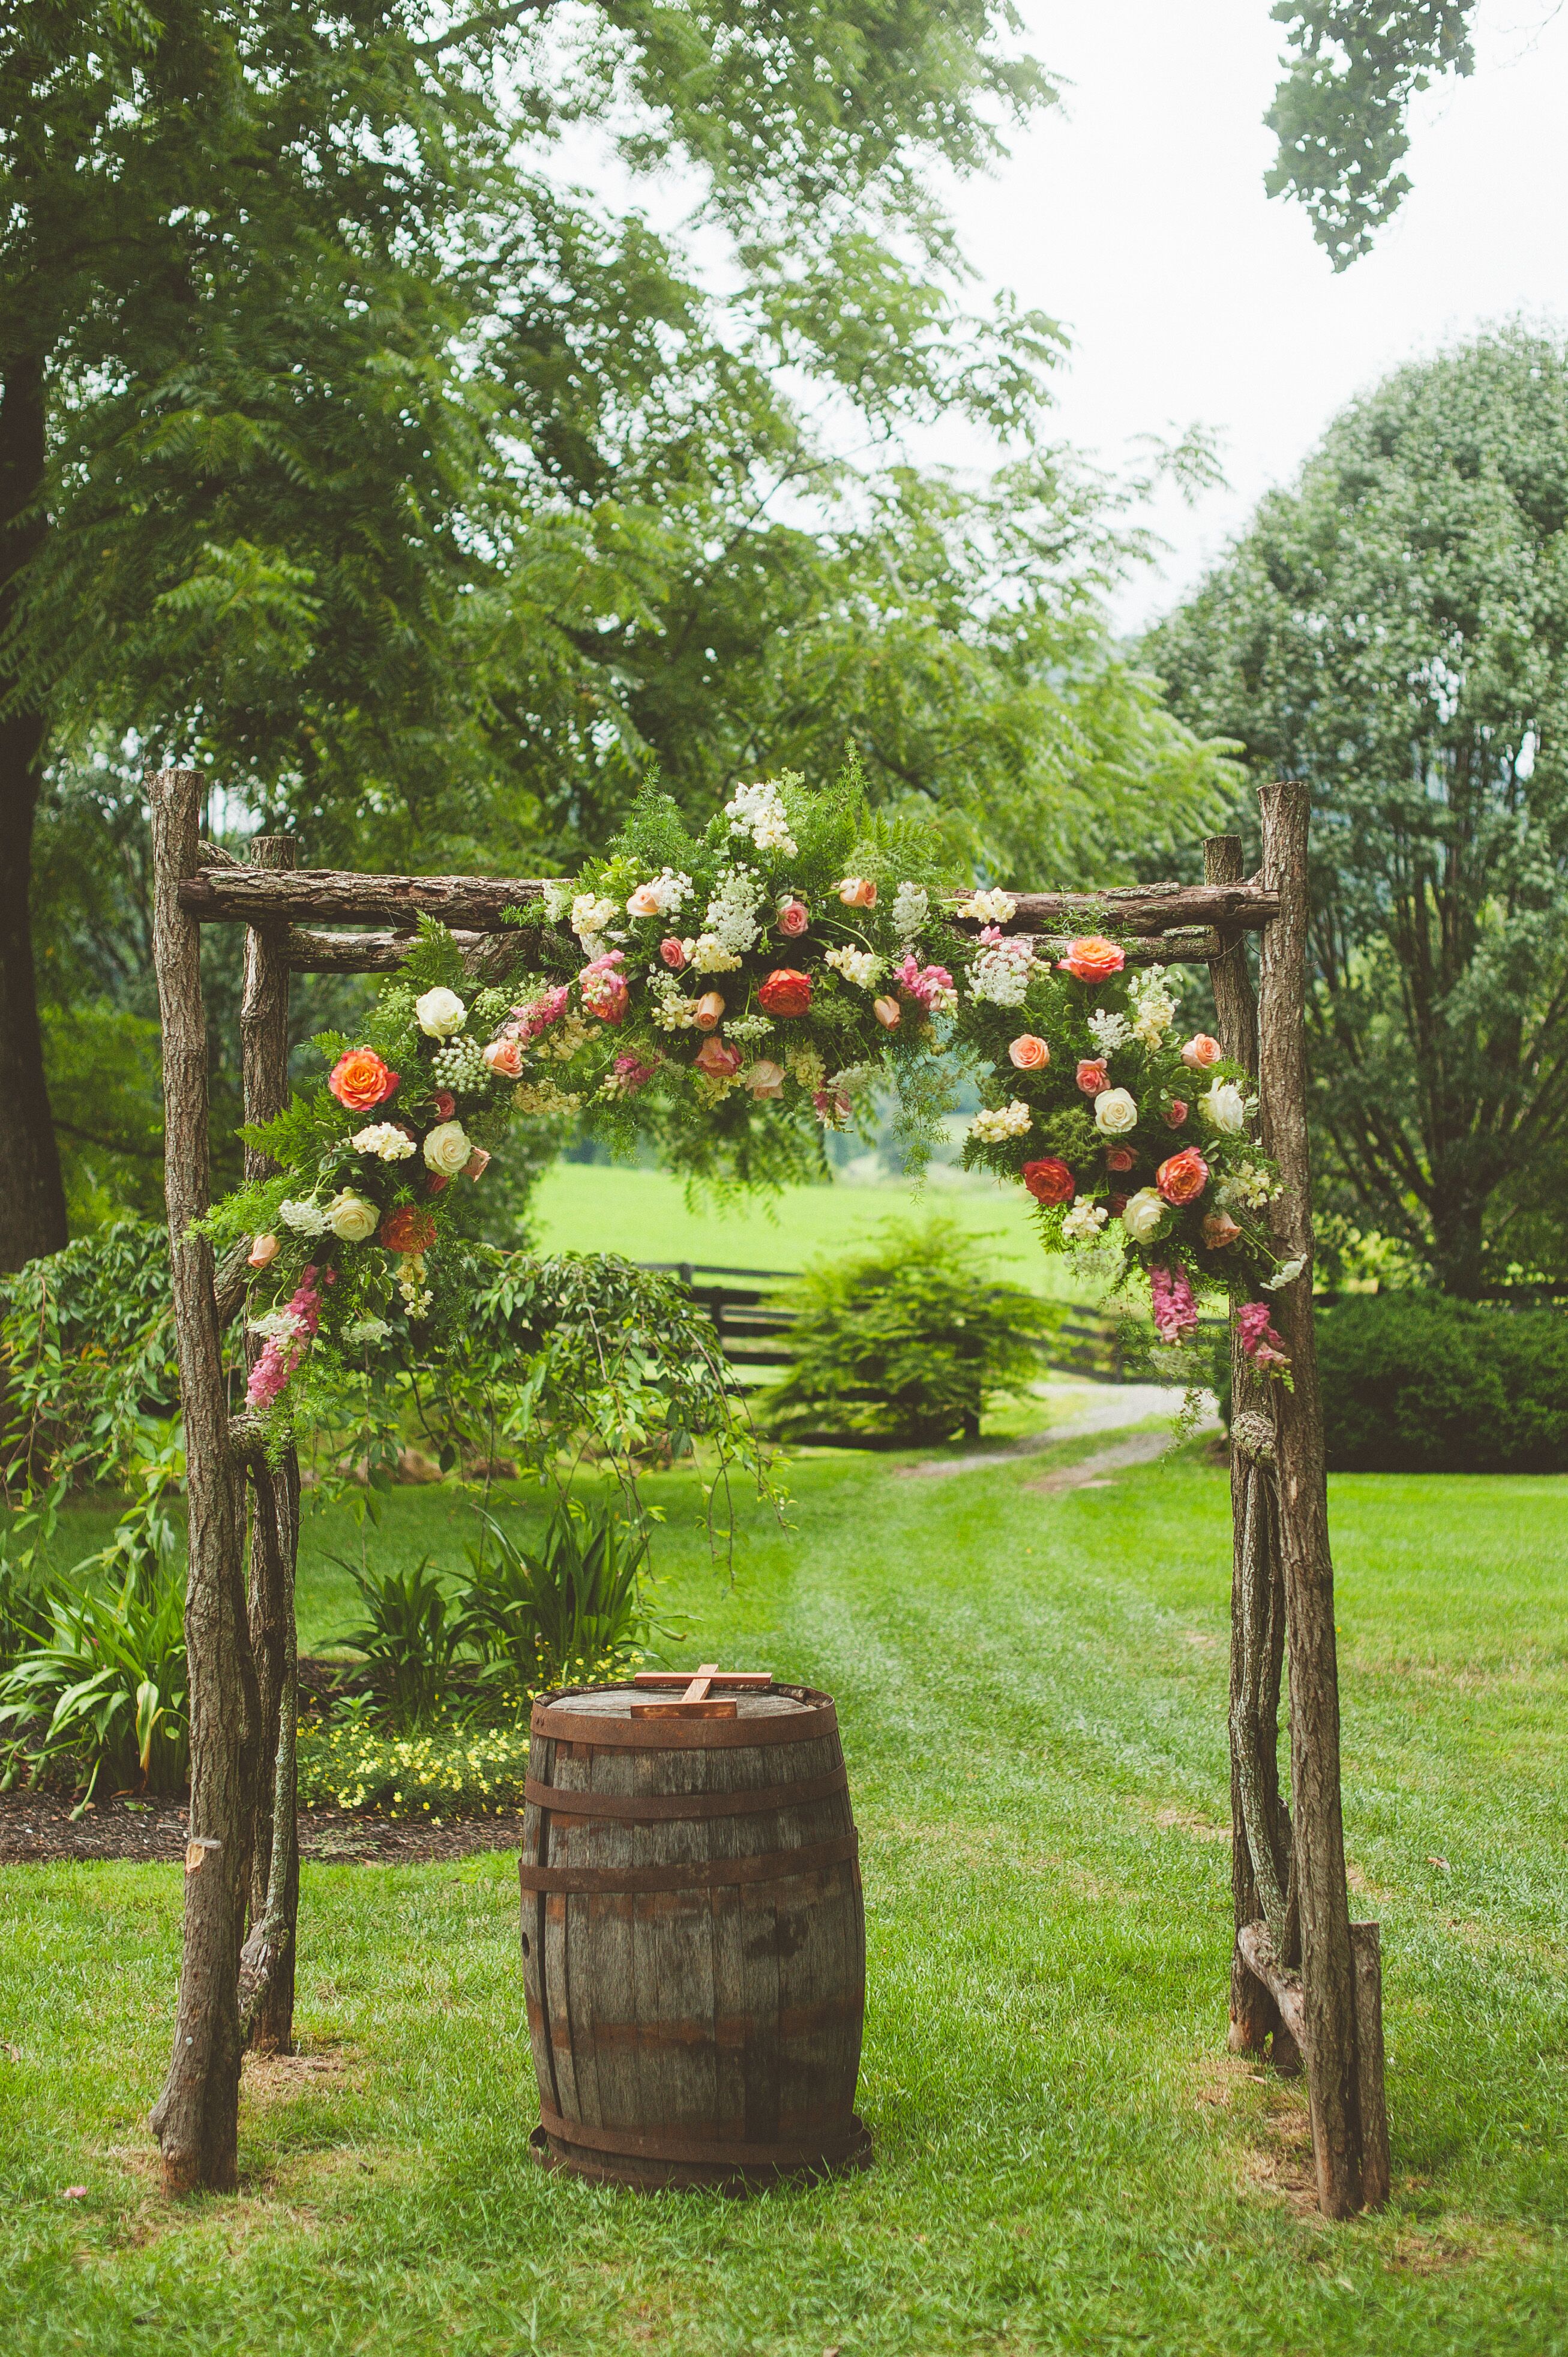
32 1197
196 2119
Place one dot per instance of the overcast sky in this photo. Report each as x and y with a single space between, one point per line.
1136 216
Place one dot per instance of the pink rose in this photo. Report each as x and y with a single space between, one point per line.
1178 1112
710 1007
717 1059
1093 1077
446 1104
1201 1051
888 1013
478 1162
673 953
793 918
1029 1054
504 1057
262 1250
764 1078
1120 1158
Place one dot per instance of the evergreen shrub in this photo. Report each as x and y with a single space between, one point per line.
1418 1382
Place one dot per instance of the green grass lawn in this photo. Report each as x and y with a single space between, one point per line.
1031 1691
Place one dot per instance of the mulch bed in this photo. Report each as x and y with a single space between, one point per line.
36 1827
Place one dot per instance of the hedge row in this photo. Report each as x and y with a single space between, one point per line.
1418 1384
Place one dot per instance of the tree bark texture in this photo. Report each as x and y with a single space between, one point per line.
1257 1580
1327 1970
196 2119
268 1959
32 1194
325 896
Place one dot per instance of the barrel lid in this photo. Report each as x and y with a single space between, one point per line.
603 1715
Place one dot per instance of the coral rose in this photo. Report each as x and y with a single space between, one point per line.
1092 1076
262 1250
504 1058
888 1013
793 918
1092 959
673 953
718 1060
408 1230
858 892
1220 1230
1201 1051
1183 1178
785 991
1120 1158
359 1079
1049 1180
1029 1054
710 1007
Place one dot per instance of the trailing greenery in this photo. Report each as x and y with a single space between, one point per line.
1414 1383
909 1339
1395 630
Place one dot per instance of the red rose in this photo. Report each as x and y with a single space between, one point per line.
1120 1158
1183 1179
1092 1076
359 1079
1049 1180
785 991
1092 959
408 1230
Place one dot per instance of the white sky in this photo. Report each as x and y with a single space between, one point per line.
1137 218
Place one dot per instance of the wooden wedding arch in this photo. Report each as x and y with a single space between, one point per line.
1302 1974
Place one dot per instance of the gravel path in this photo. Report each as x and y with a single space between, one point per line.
1106 1407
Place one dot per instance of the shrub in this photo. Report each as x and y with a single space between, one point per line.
541 1615
103 1682
409 1638
1416 1382
908 1340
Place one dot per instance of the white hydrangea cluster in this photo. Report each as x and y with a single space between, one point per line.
806 1068
861 966
708 954
384 1140
592 917
665 895
732 911
758 812
1154 1005
1000 973
749 1026
1082 1220
992 1129
277 1326
559 894
460 1067
1111 1029
544 1096
306 1218
989 908
853 1079
911 906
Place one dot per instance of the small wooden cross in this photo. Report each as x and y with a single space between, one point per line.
699 1700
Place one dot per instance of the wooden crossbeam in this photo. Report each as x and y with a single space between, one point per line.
698 1700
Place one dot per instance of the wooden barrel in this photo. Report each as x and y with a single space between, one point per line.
693 1939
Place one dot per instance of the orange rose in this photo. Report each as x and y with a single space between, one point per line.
359 1079
1183 1179
785 991
1092 959
408 1230
1049 1180
1029 1054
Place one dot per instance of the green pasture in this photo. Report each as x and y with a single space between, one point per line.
1033 1695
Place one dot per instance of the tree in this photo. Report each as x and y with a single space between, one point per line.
1340 110
1395 630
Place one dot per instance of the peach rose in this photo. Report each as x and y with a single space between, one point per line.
408 1230
785 991
673 953
1092 959
1093 1077
764 1078
1201 1051
262 1250
793 918
1029 1054
888 1013
359 1079
710 1007
1183 1178
1049 1180
718 1060
504 1058
1220 1230
645 902
858 892
478 1162
1120 1158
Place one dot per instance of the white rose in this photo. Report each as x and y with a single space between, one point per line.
1143 1215
1115 1113
350 1218
1224 1108
447 1148
440 1013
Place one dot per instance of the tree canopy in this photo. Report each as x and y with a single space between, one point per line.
1395 630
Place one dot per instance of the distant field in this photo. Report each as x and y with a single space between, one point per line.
592 1206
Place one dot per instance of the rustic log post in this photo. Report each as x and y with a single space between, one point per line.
1328 1979
1365 1942
197 2115
267 1998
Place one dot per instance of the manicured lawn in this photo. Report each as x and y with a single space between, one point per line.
1033 1695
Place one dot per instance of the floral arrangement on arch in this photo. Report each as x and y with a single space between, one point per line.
769 971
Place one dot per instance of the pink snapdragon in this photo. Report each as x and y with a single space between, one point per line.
1259 1340
928 985
1176 1311
528 1022
631 1073
280 1357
